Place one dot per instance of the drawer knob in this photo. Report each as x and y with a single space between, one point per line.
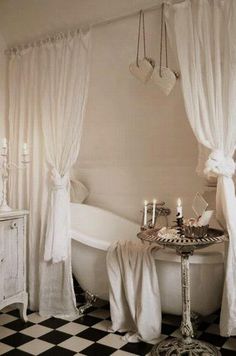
2 260
13 225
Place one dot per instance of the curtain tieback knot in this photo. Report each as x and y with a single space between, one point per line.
59 182
58 220
219 165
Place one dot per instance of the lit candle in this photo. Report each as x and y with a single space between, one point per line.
4 142
153 211
179 208
25 149
145 212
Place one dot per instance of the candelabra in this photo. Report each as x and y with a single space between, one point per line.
6 166
154 211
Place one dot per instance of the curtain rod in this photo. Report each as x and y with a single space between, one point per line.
123 17
57 36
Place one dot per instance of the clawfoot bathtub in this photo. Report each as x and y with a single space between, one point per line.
94 229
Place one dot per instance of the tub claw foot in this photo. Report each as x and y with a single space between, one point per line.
90 300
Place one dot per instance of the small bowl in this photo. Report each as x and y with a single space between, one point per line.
195 232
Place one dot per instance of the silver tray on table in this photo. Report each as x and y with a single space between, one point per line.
178 241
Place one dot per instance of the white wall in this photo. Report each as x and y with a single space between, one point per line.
137 143
3 68
27 20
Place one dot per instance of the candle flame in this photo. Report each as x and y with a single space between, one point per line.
179 203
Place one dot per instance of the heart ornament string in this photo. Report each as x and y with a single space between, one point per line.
164 77
143 68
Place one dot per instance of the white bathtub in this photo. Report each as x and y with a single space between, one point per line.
94 229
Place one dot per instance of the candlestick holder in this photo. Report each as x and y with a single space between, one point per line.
179 222
6 166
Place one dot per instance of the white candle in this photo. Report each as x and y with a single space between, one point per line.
153 211
4 142
25 149
145 212
179 208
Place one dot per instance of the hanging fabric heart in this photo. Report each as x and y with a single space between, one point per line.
164 77
142 69
166 80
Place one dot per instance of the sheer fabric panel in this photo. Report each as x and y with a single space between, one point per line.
204 36
45 92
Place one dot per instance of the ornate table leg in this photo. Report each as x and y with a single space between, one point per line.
185 345
186 325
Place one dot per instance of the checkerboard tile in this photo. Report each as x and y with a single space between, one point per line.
35 347
122 353
72 328
6 318
76 344
35 330
4 348
4 332
36 318
88 335
112 340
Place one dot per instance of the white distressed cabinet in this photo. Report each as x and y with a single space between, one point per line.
13 260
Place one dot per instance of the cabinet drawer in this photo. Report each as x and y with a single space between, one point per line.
13 256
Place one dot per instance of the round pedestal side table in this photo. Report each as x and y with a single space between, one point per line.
185 247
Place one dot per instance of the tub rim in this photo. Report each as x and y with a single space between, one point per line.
108 212
162 254
88 240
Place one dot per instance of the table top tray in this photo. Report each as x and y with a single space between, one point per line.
180 241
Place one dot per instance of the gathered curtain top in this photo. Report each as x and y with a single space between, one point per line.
54 38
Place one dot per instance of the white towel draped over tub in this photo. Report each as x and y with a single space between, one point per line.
134 290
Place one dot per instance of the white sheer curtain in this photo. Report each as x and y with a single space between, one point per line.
204 33
47 94
63 92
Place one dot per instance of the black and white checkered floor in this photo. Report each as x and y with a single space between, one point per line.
88 335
